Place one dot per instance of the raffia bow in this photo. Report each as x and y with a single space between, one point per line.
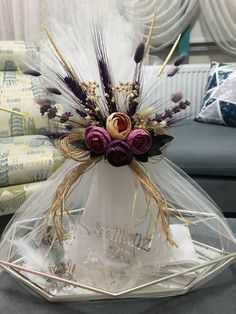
85 163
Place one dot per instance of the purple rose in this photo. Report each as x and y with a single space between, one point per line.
96 139
118 153
139 141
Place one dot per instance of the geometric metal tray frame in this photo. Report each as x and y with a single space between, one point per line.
213 261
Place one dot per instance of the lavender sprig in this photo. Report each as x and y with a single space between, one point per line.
169 113
65 117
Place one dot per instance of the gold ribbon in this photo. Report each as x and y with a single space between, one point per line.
58 207
152 191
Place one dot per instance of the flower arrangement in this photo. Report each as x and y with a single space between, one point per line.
109 121
120 136
111 220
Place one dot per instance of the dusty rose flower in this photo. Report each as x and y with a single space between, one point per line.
139 141
118 153
118 125
96 139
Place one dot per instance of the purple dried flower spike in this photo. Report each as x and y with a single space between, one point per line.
180 59
32 72
53 90
172 71
65 117
169 113
139 53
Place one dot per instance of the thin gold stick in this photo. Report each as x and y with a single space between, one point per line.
150 32
169 56
67 65
12 111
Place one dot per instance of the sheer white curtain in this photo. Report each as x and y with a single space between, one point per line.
220 17
24 19
172 18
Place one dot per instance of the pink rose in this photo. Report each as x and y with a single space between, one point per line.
139 141
96 139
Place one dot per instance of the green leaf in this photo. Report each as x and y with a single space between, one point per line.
162 139
142 158
94 155
155 150
80 144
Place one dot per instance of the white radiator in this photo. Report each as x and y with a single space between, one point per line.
191 80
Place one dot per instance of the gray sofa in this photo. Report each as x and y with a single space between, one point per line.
207 152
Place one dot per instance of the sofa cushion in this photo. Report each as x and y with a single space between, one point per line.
18 92
204 149
25 159
12 197
17 52
217 109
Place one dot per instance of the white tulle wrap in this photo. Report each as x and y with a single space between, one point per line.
106 194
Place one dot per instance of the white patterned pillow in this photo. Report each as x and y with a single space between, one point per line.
217 108
17 52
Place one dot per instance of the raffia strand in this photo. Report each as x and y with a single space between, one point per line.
151 189
58 207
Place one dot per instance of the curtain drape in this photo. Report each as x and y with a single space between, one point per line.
173 17
24 19
220 18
